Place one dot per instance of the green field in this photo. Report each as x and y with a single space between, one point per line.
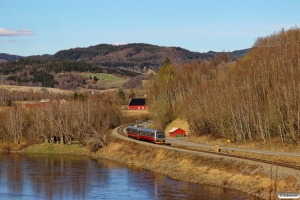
106 80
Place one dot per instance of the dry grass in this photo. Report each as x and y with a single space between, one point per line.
21 146
131 116
8 147
5 147
113 146
135 112
33 89
274 145
194 168
182 166
47 148
179 123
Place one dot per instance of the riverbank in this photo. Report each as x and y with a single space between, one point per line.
252 179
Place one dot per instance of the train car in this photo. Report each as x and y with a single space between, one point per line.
141 133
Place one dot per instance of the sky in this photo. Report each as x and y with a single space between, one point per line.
37 27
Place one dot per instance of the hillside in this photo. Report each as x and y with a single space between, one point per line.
132 56
137 56
235 54
62 74
122 60
255 98
7 57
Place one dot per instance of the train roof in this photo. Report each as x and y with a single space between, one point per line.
143 128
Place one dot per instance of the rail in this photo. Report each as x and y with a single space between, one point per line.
120 131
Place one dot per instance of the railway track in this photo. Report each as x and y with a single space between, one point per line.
120 130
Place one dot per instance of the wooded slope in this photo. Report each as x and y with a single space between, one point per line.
254 98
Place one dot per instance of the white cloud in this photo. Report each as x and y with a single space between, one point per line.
9 32
118 43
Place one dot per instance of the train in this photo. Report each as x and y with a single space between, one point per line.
147 134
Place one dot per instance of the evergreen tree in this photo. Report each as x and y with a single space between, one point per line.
121 94
9 103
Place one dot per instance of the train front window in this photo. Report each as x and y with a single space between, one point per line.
160 134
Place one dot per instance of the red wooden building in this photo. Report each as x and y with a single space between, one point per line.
30 104
137 104
177 132
42 103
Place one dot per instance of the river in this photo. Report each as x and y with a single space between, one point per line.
39 176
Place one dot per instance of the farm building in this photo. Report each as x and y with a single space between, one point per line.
29 104
137 104
178 132
42 103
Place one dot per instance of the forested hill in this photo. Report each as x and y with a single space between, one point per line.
235 54
4 57
130 56
137 56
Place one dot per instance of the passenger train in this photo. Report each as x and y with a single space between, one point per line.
141 133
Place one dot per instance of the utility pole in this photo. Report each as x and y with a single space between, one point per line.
2 89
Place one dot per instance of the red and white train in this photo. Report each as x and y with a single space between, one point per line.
141 133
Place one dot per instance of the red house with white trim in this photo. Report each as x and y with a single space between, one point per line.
137 104
177 132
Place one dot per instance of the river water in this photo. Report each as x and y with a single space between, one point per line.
36 176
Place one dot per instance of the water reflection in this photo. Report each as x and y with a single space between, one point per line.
33 176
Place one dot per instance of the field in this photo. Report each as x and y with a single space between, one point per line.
135 112
106 80
33 89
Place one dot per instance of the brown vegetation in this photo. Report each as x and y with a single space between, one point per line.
226 173
84 120
256 98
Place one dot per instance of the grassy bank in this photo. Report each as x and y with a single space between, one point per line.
182 166
73 149
198 169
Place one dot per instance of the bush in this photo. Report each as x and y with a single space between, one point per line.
6 148
95 146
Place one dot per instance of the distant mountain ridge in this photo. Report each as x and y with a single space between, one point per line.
130 55
123 60
7 57
136 56
236 54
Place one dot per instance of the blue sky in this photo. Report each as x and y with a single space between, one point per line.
36 27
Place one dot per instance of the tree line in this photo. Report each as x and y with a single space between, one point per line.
82 119
254 98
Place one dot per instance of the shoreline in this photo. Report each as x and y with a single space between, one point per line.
248 178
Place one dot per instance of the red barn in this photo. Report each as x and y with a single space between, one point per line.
137 104
30 104
178 132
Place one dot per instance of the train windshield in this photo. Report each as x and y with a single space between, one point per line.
160 134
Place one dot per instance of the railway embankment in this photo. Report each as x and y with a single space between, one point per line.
258 179
253 178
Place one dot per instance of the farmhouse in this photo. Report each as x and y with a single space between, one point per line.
177 132
137 104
